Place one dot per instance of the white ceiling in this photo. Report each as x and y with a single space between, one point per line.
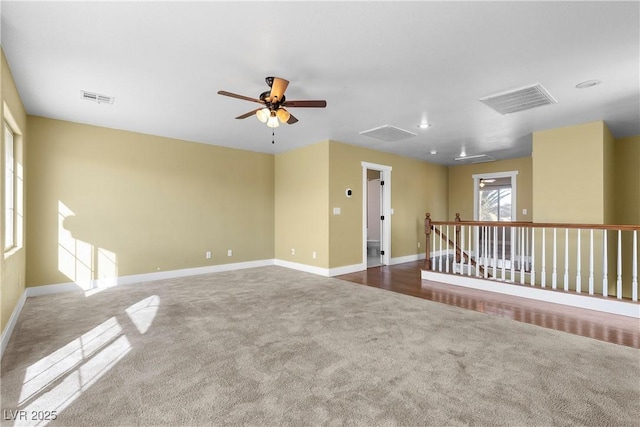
376 63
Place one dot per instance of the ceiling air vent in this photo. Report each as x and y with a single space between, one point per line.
478 158
522 99
388 133
95 97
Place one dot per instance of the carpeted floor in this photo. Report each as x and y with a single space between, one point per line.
272 346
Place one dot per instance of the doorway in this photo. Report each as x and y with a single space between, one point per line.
376 218
494 196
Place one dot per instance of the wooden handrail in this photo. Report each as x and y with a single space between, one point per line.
459 251
428 228
623 227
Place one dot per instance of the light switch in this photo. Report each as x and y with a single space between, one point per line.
524 211
336 211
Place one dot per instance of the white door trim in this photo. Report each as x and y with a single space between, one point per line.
385 175
476 190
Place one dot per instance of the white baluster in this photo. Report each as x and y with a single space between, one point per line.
433 248
512 263
634 268
543 273
503 252
455 248
522 256
566 259
470 250
579 265
447 250
533 256
526 249
485 233
440 253
495 251
462 249
554 273
591 286
605 266
619 279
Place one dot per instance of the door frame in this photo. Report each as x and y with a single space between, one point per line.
476 190
385 235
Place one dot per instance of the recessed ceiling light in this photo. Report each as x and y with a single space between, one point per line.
433 152
588 83
463 153
424 125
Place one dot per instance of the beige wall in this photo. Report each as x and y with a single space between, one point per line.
12 264
627 180
417 187
301 205
569 174
627 198
104 202
461 186
609 175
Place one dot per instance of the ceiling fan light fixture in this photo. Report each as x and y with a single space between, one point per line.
273 122
263 115
283 115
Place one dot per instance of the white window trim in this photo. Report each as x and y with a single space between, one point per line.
476 190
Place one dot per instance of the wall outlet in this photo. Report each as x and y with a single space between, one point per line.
229 252
293 251
337 211
524 211
313 254
207 255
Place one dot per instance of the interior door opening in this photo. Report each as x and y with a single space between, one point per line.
376 215
374 221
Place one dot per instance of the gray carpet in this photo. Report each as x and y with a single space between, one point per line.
272 346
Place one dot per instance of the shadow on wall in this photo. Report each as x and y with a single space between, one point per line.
85 264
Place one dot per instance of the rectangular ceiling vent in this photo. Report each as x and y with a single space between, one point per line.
522 99
478 158
96 97
388 133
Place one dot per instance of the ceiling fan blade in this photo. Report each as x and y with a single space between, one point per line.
235 95
277 88
292 120
249 114
306 103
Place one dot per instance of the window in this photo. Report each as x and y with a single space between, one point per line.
495 204
494 196
9 189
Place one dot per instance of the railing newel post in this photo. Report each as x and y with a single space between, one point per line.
427 232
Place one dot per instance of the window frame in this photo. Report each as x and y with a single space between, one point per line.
10 178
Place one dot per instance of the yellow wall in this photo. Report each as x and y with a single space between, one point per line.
609 175
12 264
569 174
416 187
301 204
627 180
627 198
461 187
104 202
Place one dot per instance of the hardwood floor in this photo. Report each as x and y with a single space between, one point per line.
405 278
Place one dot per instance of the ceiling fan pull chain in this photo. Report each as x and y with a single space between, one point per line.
273 135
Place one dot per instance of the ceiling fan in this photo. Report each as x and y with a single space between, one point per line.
273 111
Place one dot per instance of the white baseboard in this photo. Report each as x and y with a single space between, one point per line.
408 258
612 306
302 267
327 272
8 330
346 269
